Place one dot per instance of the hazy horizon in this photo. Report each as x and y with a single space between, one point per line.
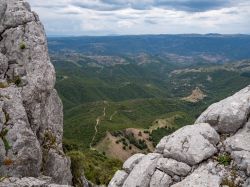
113 35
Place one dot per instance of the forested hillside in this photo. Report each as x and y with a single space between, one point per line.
120 100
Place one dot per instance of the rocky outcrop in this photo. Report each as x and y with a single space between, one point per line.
185 144
213 152
230 114
31 117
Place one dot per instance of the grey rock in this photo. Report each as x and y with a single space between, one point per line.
2 152
132 161
160 179
161 145
14 13
230 114
242 159
29 182
191 144
239 147
23 150
239 141
35 127
3 65
247 183
176 178
142 172
118 179
173 167
57 166
201 177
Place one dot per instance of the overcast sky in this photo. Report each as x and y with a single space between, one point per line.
120 17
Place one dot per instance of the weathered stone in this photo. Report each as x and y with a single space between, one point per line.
57 166
160 179
2 152
14 13
35 128
118 179
22 148
172 167
142 172
29 182
239 147
201 177
191 144
3 65
230 114
247 183
132 161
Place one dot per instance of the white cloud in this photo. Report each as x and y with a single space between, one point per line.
84 17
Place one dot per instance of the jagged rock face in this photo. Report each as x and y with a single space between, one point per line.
199 155
31 117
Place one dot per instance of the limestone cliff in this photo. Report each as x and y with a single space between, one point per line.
213 152
31 117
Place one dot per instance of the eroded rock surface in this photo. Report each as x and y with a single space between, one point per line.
145 169
185 144
30 182
199 178
230 114
203 154
239 147
31 118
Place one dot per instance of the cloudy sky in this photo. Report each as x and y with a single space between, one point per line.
120 17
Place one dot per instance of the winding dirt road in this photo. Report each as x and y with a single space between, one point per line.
98 121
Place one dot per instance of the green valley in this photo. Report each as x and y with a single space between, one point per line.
125 103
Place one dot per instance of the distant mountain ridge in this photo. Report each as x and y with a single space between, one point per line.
230 47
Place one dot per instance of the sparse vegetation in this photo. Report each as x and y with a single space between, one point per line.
95 166
16 80
229 183
3 134
3 85
224 159
8 162
22 45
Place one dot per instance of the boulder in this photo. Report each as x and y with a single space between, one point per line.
173 167
239 147
118 179
130 163
29 182
201 177
160 179
142 172
190 144
230 114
